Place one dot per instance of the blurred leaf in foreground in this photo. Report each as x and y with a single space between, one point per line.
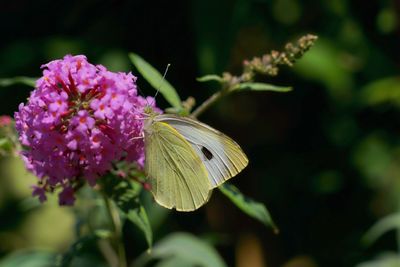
29 259
185 248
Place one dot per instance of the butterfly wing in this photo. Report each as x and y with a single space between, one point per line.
222 157
177 175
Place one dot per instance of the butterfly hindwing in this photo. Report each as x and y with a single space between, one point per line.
177 175
222 157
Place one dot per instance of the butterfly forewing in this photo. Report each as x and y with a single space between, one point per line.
222 157
177 175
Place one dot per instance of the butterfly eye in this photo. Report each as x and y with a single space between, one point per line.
207 153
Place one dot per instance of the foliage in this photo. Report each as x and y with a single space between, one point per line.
125 193
248 206
324 157
182 249
156 80
29 259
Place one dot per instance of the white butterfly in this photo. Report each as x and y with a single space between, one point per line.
186 159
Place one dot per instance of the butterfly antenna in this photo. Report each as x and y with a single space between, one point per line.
161 83
140 90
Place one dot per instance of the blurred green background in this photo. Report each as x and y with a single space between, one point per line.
324 158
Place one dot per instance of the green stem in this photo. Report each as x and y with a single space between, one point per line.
206 104
117 227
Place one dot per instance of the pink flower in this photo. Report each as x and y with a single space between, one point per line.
78 120
40 193
67 196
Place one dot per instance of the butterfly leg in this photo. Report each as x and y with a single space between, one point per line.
137 137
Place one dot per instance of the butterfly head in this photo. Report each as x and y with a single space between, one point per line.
150 111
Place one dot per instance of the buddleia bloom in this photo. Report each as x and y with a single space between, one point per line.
79 119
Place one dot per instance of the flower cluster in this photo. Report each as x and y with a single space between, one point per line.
78 120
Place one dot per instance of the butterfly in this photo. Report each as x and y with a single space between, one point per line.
186 159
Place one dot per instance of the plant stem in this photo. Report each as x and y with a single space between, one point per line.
117 227
206 104
267 64
108 252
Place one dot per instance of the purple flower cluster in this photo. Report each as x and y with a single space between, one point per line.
78 120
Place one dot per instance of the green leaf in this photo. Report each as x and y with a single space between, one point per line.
29 81
77 249
211 77
262 87
29 259
250 207
156 80
186 247
126 196
390 222
139 217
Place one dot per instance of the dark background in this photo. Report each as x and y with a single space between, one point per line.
324 158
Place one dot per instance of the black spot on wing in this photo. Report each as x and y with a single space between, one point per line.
207 153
